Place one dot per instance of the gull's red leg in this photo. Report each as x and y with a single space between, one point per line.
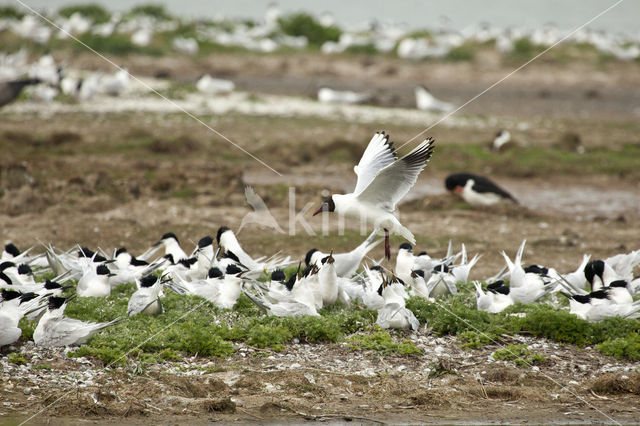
387 250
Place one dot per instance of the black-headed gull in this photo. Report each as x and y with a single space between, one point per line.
383 180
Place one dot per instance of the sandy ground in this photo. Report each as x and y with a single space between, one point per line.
123 172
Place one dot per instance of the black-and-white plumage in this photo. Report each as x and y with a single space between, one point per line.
146 299
54 329
347 263
476 190
383 180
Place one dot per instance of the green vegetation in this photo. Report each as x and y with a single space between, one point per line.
8 12
95 12
17 359
519 354
464 52
475 340
381 341
303 24
627 347
157 11
523 50
539 160
455 316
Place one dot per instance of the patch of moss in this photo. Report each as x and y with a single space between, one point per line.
627 347
381 341
519 354
17 358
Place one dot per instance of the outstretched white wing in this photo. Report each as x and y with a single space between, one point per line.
393 182
379 154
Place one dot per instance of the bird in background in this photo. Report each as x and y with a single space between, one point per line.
501 141
425 101
383 180
476 190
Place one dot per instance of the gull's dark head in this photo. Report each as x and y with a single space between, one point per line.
120 251
417 273
148 281
327 206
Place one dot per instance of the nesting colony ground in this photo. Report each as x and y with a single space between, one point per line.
123 173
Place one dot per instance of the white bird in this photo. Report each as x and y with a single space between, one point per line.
171 246
115 84
461 271
228 242
383 180
54 329
525 287
600 274
95 282
146 300
346 263
10 315
495 300
205 254
501 140
327 95
425 101
394 313
441 282
213 86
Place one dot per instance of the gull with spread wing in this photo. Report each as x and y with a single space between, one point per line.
383 180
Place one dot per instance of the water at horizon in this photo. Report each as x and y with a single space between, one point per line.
455 14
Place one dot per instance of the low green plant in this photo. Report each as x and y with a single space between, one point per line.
304 24
17 358
381 341
627 347
464 52
157 11
475 340
95 12
519 354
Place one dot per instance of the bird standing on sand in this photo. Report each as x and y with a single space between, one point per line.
383 180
